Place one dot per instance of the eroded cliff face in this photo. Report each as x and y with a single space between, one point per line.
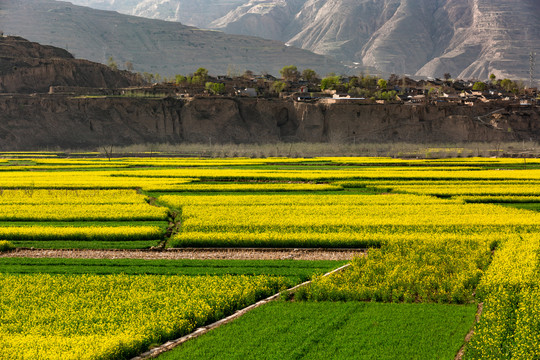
28 67
53 121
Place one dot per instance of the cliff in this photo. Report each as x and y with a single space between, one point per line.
27 67
53 121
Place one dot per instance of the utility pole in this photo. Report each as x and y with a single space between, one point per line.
532 61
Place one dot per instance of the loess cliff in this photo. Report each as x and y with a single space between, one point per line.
55 121
28 67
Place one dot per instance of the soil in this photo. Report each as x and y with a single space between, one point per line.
199 254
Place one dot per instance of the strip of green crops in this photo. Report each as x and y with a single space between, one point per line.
87 244
161 224
294 270
284 330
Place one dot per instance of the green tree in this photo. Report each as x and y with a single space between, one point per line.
180 79
368 82
112 64
201 73
492 78
309 75
479 86
507 84
330 82
215 88
289 73
197 80
382 84
278 86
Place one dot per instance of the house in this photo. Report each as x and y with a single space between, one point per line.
338 96
451 97
418 99
404 97
249 92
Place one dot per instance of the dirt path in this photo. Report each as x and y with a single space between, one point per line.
231 253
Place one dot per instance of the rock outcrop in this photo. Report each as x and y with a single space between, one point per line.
54 121
28 67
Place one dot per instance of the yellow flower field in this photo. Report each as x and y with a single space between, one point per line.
114 316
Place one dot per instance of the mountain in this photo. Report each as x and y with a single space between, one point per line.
198 13
153 46
28 67
466 38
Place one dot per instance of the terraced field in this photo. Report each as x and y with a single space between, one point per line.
435 237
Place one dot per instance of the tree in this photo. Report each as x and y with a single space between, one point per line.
215 88
382 84
447 77
129 65
112 64
368 82
507 84
180 79
233 71
309 75
278 86
393 79
330 82
148 77
492 77
289 73
197 80
201 73
479 86
108 150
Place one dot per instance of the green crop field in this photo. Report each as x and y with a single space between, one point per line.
293 270
440 236
324 330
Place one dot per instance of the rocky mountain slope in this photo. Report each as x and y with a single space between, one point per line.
153 46
27 67
466 38
198 13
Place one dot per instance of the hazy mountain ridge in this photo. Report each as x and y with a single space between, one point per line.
466 38
154 46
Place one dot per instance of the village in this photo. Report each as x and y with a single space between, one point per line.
308 87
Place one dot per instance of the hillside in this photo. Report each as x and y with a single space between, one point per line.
154 46
28 67
466 38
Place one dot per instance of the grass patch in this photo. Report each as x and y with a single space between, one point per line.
284 330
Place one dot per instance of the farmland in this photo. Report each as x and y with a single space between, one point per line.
439 237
